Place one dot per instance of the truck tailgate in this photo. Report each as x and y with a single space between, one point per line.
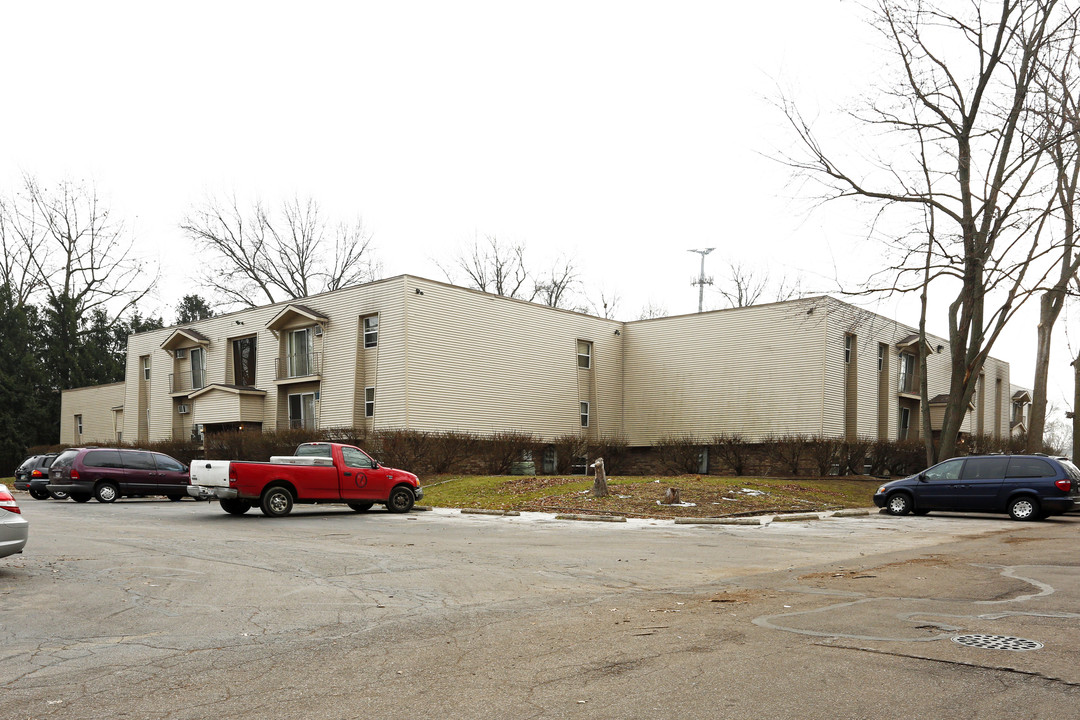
210 473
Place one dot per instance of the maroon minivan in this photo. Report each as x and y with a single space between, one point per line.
111 473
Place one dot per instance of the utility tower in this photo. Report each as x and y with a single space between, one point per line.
702 281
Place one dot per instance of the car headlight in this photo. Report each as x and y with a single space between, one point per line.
881 490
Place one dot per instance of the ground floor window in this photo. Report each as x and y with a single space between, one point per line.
584 414
302 411
369 402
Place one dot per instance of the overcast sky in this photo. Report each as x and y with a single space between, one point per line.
621 134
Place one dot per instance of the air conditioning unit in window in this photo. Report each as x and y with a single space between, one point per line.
181 353
183 409
318 331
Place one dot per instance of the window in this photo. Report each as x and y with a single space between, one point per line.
907 373
357 459
168 464
198 368
905 423
102 459
584 414
371 331
369 402
847 348
300 352
1027 467
948 470
302 411
78 424
145 367
985 468
584 354
244 361
881 358
137 460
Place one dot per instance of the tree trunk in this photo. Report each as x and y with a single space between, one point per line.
1076 409
1048 314
599 487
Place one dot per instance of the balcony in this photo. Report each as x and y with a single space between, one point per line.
302 365
184 383
302 424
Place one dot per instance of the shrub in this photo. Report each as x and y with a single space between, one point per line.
824 452
851 456
680 453
569 448
787 451
732 450
614 451
498 453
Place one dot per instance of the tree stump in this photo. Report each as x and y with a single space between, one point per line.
672 496
599 486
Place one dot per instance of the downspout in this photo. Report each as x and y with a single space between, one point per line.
824 373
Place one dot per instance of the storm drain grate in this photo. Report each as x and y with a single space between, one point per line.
997 642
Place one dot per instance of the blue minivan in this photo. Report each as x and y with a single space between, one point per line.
1027 487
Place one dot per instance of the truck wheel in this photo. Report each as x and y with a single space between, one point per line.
276 502
175 498
106 492
235 507
39 494
401 500
361 506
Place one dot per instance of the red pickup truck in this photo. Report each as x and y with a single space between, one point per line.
319 473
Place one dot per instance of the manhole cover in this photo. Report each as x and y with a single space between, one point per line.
997 642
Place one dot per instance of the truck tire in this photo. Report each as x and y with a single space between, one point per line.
361 506
401 500
277 501
235 507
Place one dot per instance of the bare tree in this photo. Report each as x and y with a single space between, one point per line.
743 286
493 266
652 310
1061 117
262 255
967 160
499 267
605 304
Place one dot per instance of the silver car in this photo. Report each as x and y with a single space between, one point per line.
13 526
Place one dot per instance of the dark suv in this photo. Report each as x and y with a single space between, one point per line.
109 473
1027 487
33 474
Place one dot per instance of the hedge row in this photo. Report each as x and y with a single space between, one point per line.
500 454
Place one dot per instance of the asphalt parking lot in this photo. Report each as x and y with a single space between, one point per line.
152 609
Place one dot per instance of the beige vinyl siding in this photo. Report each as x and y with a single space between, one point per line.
95 404
756 371
485 364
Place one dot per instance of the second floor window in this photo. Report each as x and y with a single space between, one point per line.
198 368
584 354
584 414
300 360
146 367
371 331
369 402
907 372
244 361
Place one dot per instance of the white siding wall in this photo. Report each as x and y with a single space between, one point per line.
756 371
486 364
95 404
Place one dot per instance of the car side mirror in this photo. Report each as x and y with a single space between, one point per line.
922 477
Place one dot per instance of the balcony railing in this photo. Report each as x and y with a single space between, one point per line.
302 424
299 365
183 382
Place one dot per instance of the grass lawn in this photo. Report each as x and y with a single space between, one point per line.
712 496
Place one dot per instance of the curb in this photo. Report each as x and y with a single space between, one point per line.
593 518
796 517
718 521
852 512
485 511
423 508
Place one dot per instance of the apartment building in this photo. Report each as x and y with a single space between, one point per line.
417 354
